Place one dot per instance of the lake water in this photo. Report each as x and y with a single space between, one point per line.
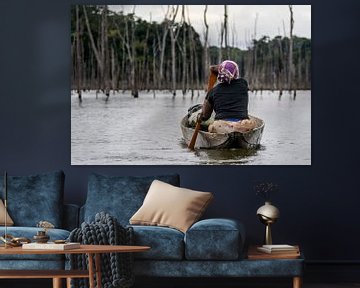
146 130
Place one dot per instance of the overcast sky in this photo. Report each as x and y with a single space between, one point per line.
271 19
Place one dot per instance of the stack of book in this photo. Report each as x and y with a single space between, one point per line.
279 249
273 252
51 246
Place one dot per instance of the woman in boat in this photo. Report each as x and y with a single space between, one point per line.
229 99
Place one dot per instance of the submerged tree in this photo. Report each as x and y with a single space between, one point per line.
113 50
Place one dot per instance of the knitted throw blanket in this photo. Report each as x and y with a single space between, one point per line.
116 268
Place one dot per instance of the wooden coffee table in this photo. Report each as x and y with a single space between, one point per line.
57 275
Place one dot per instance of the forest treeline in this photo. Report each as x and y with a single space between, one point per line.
117 51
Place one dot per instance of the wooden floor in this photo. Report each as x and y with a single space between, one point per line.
45 283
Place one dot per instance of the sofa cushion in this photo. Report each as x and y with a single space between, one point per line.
170 206
9 221
35 198
214 239
120 196
165 243
29 232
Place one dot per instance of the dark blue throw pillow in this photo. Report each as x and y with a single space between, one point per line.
120 196
35 198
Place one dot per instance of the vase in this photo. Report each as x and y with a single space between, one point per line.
268 214
41 237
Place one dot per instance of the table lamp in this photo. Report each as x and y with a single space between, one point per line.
268 214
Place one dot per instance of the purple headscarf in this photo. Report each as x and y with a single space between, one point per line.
227 71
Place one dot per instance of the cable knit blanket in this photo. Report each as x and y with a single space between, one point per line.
116 268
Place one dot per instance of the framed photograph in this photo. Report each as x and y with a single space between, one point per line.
191 85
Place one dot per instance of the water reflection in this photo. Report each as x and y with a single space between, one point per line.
146 130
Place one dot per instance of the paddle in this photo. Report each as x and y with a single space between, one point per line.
211 83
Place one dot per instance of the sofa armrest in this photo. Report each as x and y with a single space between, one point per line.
215 239
71 216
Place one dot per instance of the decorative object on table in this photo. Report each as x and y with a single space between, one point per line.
4 238
255 254
11 241
41 236
116 268
51 246
279 249
5 215
268 213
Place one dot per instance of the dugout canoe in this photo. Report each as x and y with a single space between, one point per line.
207 140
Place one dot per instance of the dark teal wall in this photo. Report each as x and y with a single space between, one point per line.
318 203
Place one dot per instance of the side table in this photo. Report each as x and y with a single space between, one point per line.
92 251
255 255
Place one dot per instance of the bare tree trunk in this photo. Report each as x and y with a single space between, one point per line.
184 56
280 68
254 74
196 69
226 32
128 42
78 56
155 84
191 78
291 64
173 37
206 48
145 60
162 47
220 56
134 88
105 51
113 70
99 59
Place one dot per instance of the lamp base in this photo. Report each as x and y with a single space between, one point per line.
268 237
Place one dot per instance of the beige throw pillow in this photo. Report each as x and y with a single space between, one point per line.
9 221
170 206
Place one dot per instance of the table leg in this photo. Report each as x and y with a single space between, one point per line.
91 270
297 282
98 270
68 282
57 283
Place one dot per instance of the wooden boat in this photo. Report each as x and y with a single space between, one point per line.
207 140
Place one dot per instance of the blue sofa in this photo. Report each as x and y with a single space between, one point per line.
210 248
32 199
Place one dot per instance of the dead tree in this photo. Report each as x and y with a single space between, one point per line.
226 32
174 33
166 24
128 41
291 44
220 56
78 55
105 51
100 57
206 48
194 63
183 52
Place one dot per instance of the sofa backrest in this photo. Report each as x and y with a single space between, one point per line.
120 196
35 198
